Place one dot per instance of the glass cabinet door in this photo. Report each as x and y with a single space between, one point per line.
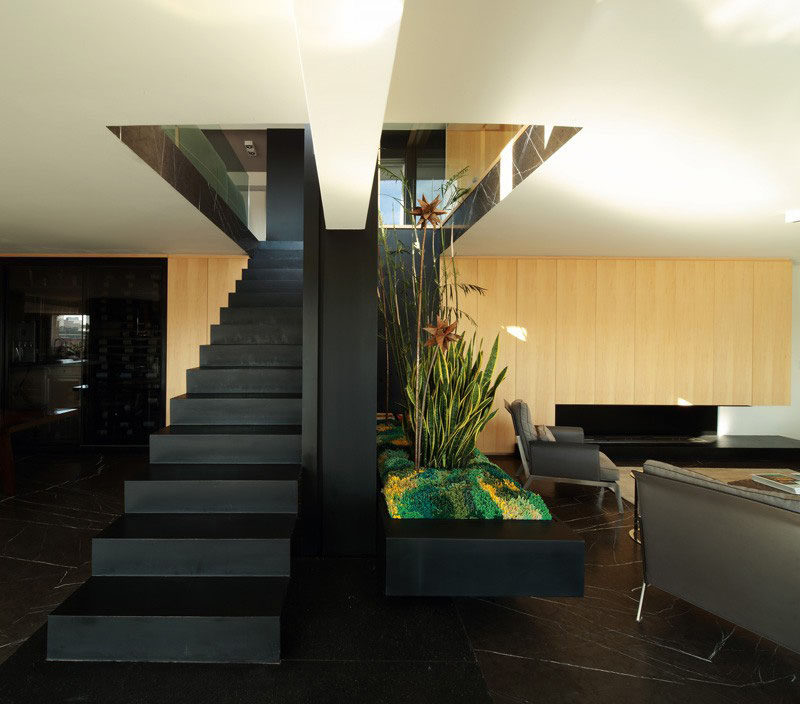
46 331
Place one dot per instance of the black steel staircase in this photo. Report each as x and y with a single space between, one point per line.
196 569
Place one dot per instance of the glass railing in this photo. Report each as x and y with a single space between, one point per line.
232 187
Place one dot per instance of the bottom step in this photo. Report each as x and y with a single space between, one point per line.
170 619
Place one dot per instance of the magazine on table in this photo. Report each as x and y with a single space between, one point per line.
785 481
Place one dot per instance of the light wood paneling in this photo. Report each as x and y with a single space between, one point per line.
694 332
187 319
615 332
475 147
654 345
627 331
772 333
536 337
495 312
222 277
196 289
576 311
733 332
467 273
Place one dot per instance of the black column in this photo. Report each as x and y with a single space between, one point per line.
310 487
285 184
347 381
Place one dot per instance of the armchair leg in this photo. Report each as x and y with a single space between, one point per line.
524 462
641 602
618 493
527 484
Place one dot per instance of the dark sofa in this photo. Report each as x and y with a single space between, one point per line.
733 551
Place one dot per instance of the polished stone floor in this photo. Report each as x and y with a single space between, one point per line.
343 641
62 500
592 649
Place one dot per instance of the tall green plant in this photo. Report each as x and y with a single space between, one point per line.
457 403
416 286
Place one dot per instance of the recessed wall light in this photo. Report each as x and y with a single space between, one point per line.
793 215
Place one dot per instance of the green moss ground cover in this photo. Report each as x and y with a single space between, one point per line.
479 490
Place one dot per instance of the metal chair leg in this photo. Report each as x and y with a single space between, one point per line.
641 602
618 493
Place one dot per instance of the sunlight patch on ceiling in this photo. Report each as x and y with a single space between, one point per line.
661 173
752 21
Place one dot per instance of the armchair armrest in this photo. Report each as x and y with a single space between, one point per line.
571 460
567 433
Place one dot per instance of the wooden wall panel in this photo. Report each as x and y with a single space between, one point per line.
694 332
733 332
576 310
536 337
495 312
615 331
772 333
467 272
223 272
475 147
187 319
196 289
654 344
627 331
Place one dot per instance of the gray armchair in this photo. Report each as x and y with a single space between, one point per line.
567 459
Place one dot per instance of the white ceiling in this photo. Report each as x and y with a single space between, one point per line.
71 68
689 112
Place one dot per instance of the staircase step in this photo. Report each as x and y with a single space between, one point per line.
282 274
236 409
234 444
190 544
269 286
236 380
170 619
257 334
214 488
276 258
251 355
253 299
279 244
277 317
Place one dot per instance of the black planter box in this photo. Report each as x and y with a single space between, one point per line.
480 557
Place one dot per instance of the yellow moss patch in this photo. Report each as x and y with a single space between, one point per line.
395 487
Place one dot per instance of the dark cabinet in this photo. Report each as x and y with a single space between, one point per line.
84 343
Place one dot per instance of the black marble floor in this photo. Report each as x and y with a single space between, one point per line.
344 641
62 500
592 649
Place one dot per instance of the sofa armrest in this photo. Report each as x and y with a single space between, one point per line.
571 460
567 433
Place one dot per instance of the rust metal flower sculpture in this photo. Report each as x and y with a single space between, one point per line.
442 334
428 213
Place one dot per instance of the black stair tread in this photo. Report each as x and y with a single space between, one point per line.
280 244
178 430
267 309
200 526
177 596
240 367
224 472
227 397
